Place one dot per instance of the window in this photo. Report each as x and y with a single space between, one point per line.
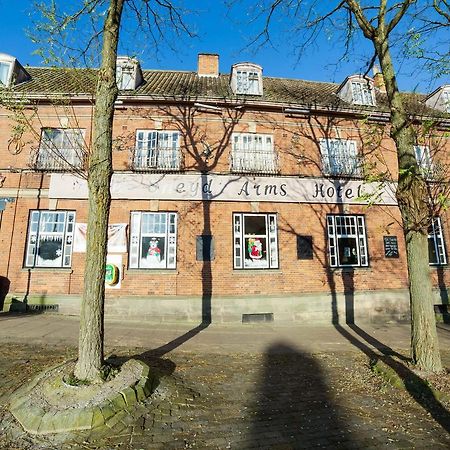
247 82
153 240
61 149
362 93
253 153
423 159
339 157
446 100
246 79
157 150
436 246
255 241
125 77
204 248
4 73
347 242
50 239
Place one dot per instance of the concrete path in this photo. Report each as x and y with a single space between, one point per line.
215 338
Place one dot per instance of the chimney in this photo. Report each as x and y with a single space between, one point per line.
378 80
208 65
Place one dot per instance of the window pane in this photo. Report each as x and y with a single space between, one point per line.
348 253
256 252
255 225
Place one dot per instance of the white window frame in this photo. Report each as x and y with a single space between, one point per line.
424 161
436 238
5 73
347 226
446 100
253 153
40 226
137 260
239 241
247 82
126 77
157 149
362 93
340 157
62 151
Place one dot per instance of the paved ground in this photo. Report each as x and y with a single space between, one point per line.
247 386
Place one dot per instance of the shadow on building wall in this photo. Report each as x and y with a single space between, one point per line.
443 310
4 289
293 408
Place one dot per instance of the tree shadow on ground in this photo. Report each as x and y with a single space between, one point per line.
293 408
416 386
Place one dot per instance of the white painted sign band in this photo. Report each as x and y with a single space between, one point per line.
198 187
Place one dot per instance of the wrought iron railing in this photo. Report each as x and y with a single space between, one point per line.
159 158
254 161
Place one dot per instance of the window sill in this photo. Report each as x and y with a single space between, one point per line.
154 271
349 269
47 269
250 272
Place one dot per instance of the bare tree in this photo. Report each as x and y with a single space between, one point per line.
59 30
394 29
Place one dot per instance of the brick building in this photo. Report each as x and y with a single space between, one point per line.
235 196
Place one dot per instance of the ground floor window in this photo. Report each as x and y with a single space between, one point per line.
436 246
50 239
153 240
347 243
255 241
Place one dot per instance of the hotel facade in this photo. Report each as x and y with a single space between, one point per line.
235 197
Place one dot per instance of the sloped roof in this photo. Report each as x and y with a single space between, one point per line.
182 85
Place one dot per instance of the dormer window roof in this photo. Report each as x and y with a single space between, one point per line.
11 71
128 73
440 99
357 90
246 79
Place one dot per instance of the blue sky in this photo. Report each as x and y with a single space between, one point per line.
227 33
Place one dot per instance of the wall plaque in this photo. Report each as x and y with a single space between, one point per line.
390 247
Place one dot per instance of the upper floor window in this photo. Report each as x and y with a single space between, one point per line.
158 150
446 100
340 157
440 99
61 149
153 240
247 82
50 239
4 73
357 90
436 246
362 93
128 73
423 159
347 243
253 153
246 79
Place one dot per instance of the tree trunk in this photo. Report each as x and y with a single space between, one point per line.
413 202
90 350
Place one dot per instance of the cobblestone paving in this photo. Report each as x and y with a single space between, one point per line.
282 399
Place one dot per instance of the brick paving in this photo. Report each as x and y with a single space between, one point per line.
280 398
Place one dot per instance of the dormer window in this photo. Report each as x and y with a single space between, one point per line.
362 93
11 71
4 73
357 90
128 73
440 99
446 100
246 79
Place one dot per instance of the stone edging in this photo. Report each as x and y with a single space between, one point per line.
36 420
391 376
